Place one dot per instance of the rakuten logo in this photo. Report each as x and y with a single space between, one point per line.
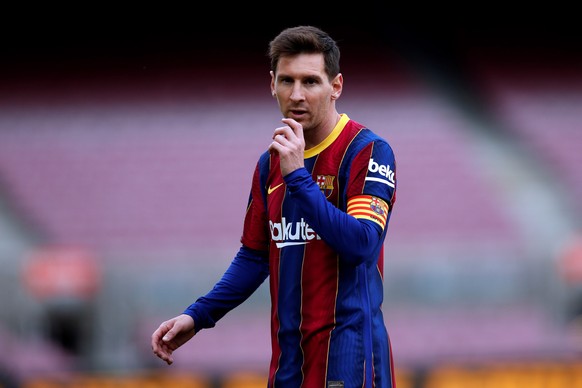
383 170
292 233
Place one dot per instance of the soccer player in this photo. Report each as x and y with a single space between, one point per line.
321 198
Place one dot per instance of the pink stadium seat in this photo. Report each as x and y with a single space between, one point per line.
137 173
539 103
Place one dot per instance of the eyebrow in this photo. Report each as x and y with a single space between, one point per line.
308 76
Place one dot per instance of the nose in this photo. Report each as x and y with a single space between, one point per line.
297 92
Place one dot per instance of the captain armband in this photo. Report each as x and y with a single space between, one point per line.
370 208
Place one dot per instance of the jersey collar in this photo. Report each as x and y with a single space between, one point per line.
329 139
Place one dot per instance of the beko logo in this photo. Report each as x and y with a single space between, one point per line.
383 170
291 233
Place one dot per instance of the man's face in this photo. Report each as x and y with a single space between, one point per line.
303 90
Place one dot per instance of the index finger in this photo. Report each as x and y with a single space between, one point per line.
295 126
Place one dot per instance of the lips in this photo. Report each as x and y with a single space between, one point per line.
297 113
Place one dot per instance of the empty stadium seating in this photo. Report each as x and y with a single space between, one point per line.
536 100
120 174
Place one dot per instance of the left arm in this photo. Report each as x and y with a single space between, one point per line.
355 239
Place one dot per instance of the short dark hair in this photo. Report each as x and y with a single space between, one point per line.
305 39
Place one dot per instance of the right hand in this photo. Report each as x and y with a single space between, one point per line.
172 334
289 142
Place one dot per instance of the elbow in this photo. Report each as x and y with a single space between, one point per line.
364 247
359 256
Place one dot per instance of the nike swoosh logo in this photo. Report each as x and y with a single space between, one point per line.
271 189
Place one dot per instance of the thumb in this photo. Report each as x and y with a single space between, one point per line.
171 333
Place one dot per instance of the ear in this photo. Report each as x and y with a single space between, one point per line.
273 93
337 86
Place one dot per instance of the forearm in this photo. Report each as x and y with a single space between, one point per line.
245 274
354 239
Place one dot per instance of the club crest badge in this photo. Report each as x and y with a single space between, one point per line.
325 183
376 206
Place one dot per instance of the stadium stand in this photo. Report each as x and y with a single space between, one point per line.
537 101
117 175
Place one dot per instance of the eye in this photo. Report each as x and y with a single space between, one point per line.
311 81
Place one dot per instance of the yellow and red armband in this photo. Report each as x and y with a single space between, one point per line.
370 208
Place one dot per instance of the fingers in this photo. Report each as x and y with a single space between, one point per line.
164 353
160 339
281 140
290 131
289 143
172 334
283 134
295 127
289 136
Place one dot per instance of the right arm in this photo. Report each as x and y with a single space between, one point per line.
245 274
248 269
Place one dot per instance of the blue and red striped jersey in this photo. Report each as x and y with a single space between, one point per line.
318 234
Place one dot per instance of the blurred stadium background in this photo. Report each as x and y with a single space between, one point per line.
127 144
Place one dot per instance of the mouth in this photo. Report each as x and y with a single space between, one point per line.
297 113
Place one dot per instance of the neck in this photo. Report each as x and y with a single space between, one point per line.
318 134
